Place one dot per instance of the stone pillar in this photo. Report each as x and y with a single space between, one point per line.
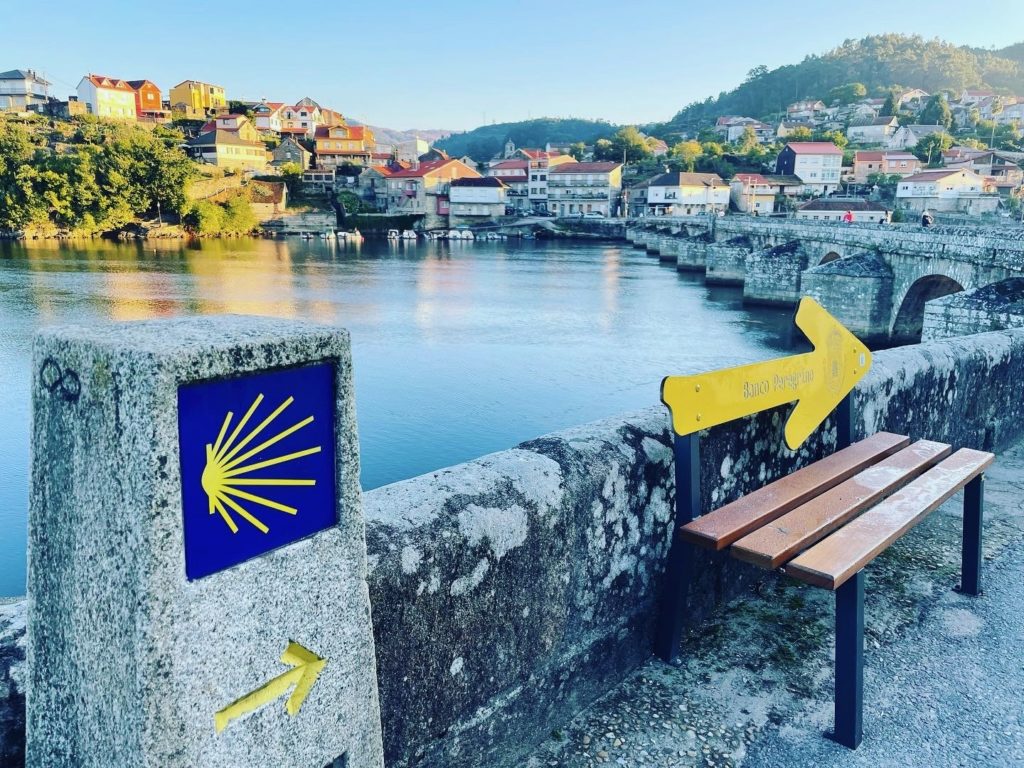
857 290
726 263
197 560
773 275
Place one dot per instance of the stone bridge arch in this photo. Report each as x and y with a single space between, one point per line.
909 319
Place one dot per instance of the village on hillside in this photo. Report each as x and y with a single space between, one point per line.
869 159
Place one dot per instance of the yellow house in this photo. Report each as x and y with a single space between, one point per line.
107 97
226 149
340 144
195 99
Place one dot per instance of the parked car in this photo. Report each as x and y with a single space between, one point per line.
593 215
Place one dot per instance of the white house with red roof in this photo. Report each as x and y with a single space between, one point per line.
575 189
107 97
267 116
685 194
958 190
300 120
818 164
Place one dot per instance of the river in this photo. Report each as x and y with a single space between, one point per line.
460 349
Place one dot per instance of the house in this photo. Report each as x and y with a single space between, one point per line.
944 189
658 147
476 199
343 145
1001 170
971 96
514 174
867 163
267 116
239 124
863 211
373 184
786 128
268 199
227 149
578 188
300 120
907 136
148 102
22 89
760 194
685 194
874 130
634 198
411 149
107 97
540 163
805 110
291 151
424 188
194 100
816 163
732 128
912 98
320 179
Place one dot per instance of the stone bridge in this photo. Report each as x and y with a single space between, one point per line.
876 279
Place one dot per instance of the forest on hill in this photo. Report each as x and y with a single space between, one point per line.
879 62
485 142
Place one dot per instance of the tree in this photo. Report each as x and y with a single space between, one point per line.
712 148
838 138
577 149
629 145
748 141
800 133
847 94
604 150
890 107
929 149
687 152
937 112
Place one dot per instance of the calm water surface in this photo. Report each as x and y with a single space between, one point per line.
460 349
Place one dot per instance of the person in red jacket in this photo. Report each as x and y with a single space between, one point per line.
848 217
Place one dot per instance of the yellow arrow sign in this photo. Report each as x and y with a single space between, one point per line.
819 380
306 669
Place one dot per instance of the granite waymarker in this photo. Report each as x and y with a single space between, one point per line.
197 559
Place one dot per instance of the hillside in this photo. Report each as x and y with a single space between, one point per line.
485 142
879 62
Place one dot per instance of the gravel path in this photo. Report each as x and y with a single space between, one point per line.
944 675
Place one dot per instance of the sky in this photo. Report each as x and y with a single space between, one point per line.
457 64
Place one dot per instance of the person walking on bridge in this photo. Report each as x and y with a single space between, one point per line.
848 217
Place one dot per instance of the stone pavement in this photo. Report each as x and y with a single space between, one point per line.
944 673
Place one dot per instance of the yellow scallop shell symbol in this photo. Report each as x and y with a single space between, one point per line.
226 471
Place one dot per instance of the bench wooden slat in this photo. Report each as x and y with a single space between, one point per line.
719 529
831 562
790 534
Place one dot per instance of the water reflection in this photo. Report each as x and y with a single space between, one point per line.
460 348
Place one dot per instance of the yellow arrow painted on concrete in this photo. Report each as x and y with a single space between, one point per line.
819 380
306 668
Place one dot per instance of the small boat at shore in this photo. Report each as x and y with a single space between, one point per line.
408 234
393 234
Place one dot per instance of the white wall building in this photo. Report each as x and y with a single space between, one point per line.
943 189
686 194
579 188
482 198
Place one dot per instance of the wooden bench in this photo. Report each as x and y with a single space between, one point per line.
823 524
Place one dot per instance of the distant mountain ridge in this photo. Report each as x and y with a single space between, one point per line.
394 136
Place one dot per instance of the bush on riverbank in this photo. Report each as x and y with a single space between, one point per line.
87 176
233 217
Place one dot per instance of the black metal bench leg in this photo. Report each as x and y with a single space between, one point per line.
849 728
679 569
974 510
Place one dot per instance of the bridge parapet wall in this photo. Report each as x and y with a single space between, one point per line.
773 275
511 591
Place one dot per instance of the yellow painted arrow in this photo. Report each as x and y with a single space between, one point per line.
819 380
306 669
